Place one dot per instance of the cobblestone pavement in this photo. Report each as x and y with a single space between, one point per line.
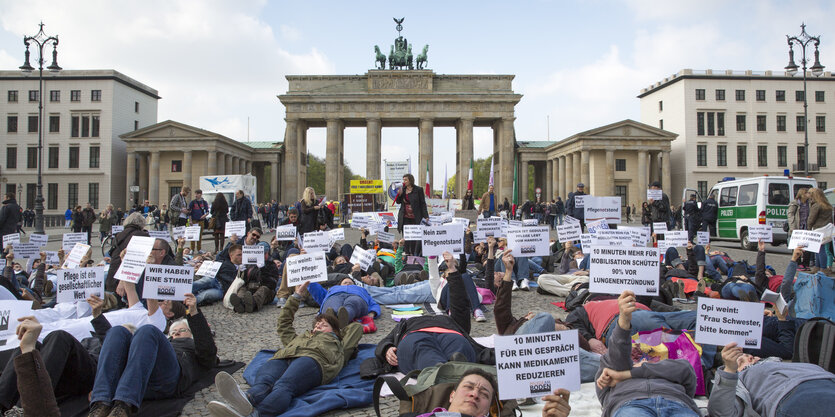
240 336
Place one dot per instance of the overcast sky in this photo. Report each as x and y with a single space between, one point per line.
218 63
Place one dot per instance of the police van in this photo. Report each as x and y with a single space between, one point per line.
749 201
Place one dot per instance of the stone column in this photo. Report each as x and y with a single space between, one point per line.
584 172
247 167
332 159
340 184
143 177
274 180
301 174
550 180
131 179
187 155
227 165
373 139
642 176
561 181
569 174
221 163
578 177
465 136
505 169
154 184
653 166
211 163
290 186
523 182
666 182
425 140
242 166
610 173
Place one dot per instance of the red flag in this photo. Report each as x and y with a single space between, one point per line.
427 188
470 177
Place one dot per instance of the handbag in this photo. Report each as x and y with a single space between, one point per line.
233 288
659 344
212 223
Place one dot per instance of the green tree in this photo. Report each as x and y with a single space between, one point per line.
316 176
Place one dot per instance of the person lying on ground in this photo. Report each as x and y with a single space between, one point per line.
346 301
473 395
36 388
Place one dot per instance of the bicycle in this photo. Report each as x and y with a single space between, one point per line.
107 245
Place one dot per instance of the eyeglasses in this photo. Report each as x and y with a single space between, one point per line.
157 249
256 235
181 330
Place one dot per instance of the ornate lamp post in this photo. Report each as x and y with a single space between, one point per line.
40 40
19 193
817 69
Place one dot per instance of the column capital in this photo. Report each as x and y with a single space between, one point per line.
467 119
374 120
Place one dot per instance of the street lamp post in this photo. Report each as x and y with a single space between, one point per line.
817 69
40 40
19 193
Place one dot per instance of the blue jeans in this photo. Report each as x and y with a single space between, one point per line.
719 264
135 366
654 407
821 258
671 257
472 293
521 269
278 381
540 323
416 293
207 289
420 350
739 291
356 306
810 398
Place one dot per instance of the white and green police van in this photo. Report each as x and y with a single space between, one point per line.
749 201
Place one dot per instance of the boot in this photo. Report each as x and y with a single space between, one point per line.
264 295
661 307
248 301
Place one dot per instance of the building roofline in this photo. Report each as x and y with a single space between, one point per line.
86 75
137 134
728 75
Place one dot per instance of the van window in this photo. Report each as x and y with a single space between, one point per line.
778 193
713 193
748 195
797 188
727 197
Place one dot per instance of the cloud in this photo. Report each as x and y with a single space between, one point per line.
289 33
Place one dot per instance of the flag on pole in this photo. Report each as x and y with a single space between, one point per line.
470 177
446 180
489 184
427 188
515 181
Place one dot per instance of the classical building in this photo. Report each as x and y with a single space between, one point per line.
164 157
741 124
619 159
83 158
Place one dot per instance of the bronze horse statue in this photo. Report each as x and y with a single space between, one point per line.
380 59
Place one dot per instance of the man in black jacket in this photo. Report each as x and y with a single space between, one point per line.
571 208
241 209
709 210
9 215
692 217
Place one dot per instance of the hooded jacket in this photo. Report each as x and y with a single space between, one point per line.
9 217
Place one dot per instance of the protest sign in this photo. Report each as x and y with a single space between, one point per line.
602 208
308 267
703 238
569 219
491 226
167 282
70 239
528 241
621 237
775 299
178 232
569 232
363 258
461 220
361 220
758 232
596 225
534 365
655 195
662 245
73 258
638 235
530 222
437 205
160 234
580 200
387 218
52 257
613 269
116 229
720 322
440 239
316 242
39 240
412 232
253 255
809 240
10 311
14 239
235 228
337 234
659 228
208 269
192 234
26 250
135 259
676 238
287 232
78 284
385 237
585 242
515 223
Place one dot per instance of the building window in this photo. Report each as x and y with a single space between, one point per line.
620 165
95 154
701 187
93 194
819 96
782 156
54 151
820 123
661 123
176 165
52 196
722 155
11 157
740 122
54 123
85 125
33 95
701 155
55 95
31 157
33 124
760 95
75 95
801 157
740 95
31 191
822 185
741 155
94 129
762 155
821 157
760 123
801 124
95 95
620 191
720 95
136 107
700 94
11 124
780 95
74 126
73 156
136 125
700 123
72 194
720 124
12 96
711 124
781 123
798 95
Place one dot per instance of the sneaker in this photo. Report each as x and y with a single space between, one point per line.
14 412
515 286
229 389
280 302
120 409
680 290
219 409
99 409
237 303
479 315
525 285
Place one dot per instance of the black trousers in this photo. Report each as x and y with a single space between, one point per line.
70 367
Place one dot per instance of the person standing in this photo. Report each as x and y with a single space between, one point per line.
628 213
560 208
107 219
77 219
9 215
487 206
67 218
571 208
468 203
692 217
164 218
220 212
820 215
198 210
241 209
709 211
309 211
88 217
659 209
646 218
178 207
413 210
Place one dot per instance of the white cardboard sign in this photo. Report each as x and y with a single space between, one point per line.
569 219
286 232
208 269
116 229
26 250
807 239
676 238
703 238
52 257
167 282
491 226
602 208
133 265
308 267
363 258
530 222
569 232
720 322
235 228
585 242
655 195
659 228
337 234
385 237
613 269
580 201
39 240
440 239
10 311
160 234
70 239
596 225
178 232
73 259
192 234
253 255
78 284
622 237
758 232
412 232
528 241
534 365
774 298
14 239
316 242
